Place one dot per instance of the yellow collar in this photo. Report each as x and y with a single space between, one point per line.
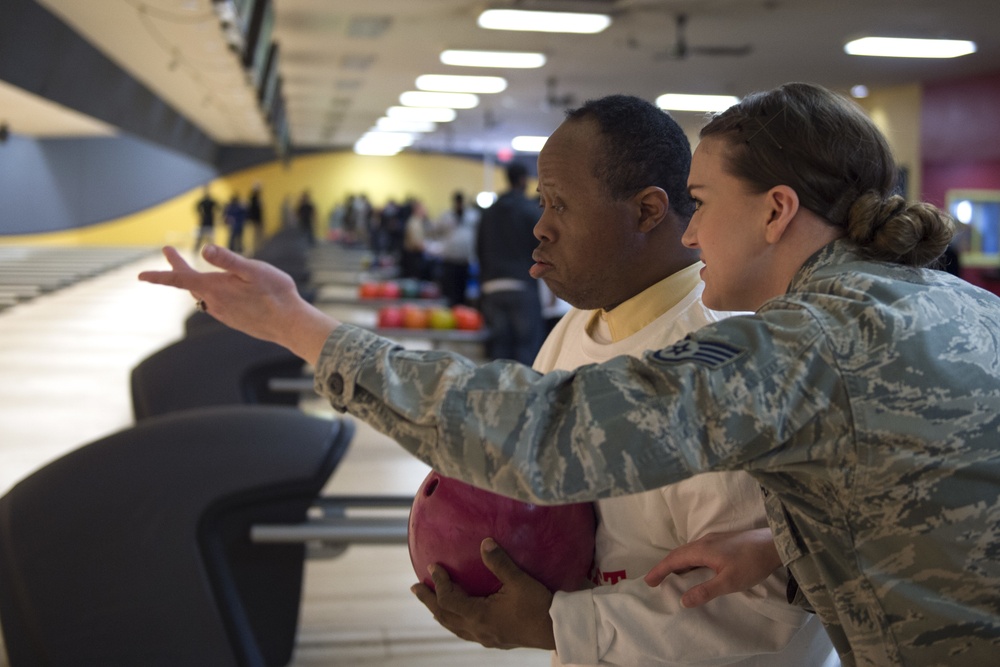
631 316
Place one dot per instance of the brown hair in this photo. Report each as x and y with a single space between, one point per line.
826 149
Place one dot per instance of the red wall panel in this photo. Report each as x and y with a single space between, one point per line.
939 177
960 135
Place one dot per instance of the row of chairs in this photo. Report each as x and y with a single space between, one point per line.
181 540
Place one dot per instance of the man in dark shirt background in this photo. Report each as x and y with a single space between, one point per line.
510 300
206 208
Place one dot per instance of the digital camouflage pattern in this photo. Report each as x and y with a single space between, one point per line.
866 401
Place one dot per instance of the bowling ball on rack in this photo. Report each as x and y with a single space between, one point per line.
449 519
429 290
368 290
415 317
441 318
390 317
467 319
389 290
410 288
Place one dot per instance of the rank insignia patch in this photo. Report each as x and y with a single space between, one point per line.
708 353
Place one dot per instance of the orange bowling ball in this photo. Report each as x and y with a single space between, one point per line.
415 317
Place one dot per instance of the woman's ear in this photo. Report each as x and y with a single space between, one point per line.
784 205
654 204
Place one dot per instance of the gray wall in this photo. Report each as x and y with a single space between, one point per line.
58 184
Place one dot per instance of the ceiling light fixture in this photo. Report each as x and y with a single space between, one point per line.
415 98
390 138
367 148
520 19
450 83
679 102
899 47
507 59
382 143
387 124
431 114
528 144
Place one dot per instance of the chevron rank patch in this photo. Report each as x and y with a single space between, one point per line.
705 352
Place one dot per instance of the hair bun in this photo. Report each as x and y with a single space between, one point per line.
891 230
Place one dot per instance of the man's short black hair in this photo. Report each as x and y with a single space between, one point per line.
516 173
642 146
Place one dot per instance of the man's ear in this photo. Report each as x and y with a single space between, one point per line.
654 205
784 204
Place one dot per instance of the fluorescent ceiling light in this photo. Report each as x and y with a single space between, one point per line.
388 138
677 102
382 143
363 148
387 124
450 83
894 47
509 59
434 115
519 19
415 98
528 144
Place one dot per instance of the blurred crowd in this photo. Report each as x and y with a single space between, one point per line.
401 234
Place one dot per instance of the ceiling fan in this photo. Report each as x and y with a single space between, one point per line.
681 50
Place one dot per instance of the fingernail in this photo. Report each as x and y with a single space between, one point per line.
489 544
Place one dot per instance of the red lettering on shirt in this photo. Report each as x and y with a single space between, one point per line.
607 578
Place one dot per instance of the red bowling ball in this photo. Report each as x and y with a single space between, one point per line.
449 519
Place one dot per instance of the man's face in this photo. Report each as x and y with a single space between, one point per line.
587 241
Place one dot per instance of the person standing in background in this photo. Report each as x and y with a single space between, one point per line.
255 216
306 216
458 253
235 215
413 263
206 208
510 301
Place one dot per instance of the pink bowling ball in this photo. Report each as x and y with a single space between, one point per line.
449 519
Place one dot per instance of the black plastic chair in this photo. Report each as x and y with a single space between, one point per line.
135 549
288 250
217 366
199 322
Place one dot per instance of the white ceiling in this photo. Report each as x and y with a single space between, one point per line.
345 61
36 116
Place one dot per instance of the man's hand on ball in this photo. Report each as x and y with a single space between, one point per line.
515 616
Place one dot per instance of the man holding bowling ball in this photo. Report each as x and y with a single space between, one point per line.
612 180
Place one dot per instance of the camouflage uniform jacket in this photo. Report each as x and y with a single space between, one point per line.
866 401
